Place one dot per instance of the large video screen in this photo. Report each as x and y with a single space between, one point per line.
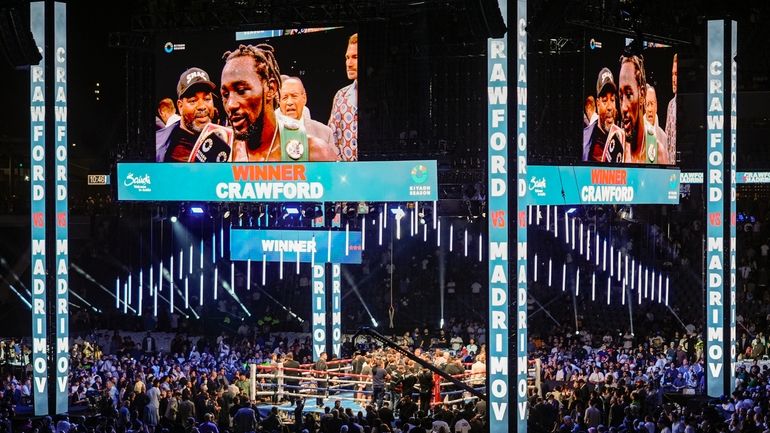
276 95
629 106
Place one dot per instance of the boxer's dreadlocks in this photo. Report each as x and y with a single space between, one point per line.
267 66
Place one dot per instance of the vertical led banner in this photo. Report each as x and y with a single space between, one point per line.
37 208
62 215
733 211
497 169
521 211
336 310
714 208
319 309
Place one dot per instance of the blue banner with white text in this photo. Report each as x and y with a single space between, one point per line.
715 231
318 246
497 165
62 213
265 182
319 310
574 185
336 310
37 208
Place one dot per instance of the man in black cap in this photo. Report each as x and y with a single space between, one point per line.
195 104
596 133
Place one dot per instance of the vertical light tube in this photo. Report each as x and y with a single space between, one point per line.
160 276
550 272
155 302
328 247
264 268
398 227
660 287
529 215
280 264
572 238
556 222
593 286
216 282
181 263
347 240
609 285
438 234
248 274
577 282
451 236
152 287
171 272
563 277
117 293
140 289
425 232
221 241
125 297
363 234
666 291
619 264
214 246
298 259
232 277
466 242
604 256
597 248
187 292
633 268
639 285
201 256
129 290
548 217
481 244
612 260
385 218
534 268
379 229
171 297
191 259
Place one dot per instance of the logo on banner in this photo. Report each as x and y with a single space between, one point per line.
537 186
140 183
419 173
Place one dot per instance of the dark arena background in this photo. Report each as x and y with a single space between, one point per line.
466 237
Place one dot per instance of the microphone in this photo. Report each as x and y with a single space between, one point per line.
214 144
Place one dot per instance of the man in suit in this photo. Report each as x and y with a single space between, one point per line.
293 104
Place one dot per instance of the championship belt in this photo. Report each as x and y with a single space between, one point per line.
613 147
651 143
214 144
294 142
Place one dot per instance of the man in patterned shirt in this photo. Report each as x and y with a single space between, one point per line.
671 116
344 115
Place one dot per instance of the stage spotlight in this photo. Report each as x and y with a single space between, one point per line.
174 218
227 214
363 208
374 322
196 209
